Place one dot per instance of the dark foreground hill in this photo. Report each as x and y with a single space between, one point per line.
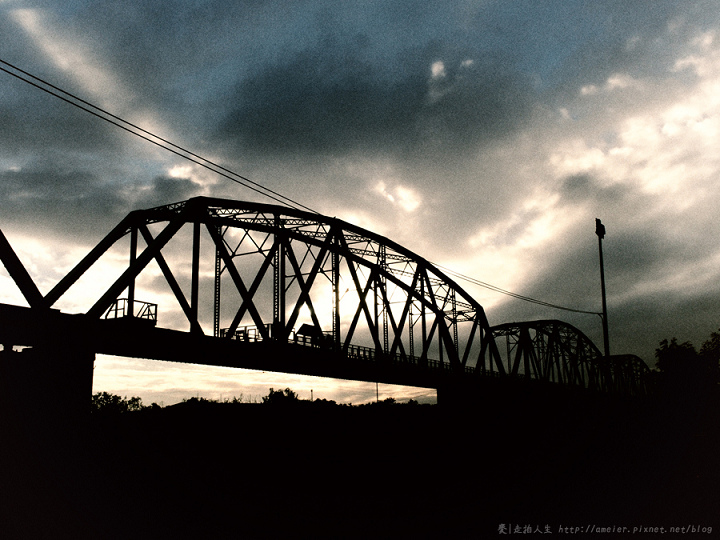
321 471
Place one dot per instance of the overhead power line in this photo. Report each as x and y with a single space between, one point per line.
512 294
117 121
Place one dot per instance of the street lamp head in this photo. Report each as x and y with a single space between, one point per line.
599 229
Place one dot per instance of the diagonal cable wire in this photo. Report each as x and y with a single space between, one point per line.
164 143
512 294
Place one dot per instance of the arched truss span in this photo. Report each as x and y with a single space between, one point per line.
555 351
274 273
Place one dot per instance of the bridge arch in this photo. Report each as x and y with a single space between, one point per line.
280 274
556 351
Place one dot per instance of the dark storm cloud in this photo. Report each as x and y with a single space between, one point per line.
48 200
638 327
583 188
334 99
182 57
165 190
564 44
78 203
34 123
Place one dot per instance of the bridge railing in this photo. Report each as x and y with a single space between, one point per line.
121 309
251 334
370 354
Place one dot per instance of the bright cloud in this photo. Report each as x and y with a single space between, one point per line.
437 70
653 148
399 195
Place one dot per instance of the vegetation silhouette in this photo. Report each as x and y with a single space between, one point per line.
683 373
280 397
279 466
107 403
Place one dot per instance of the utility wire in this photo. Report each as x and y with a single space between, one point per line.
171 147
512 294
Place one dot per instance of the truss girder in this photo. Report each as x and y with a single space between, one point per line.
555 351
388 289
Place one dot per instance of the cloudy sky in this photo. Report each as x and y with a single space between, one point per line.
485 136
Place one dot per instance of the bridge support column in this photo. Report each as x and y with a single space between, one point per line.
500 394
46 383
458 394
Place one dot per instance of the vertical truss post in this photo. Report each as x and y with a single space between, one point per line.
382 263
455 321
423 318
133 256
279 330
216 299
441 350
376 300
411 323
336 296
195 278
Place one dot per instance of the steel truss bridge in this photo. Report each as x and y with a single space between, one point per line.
267 287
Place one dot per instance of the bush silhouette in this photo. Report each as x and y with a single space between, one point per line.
280 397
107 403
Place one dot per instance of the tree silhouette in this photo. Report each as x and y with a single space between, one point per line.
683 371
280 397
384 403
673 357
710 359
107 403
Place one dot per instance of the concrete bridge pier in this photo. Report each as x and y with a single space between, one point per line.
46 382
509 395
458 392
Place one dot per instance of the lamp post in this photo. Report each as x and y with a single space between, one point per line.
600 231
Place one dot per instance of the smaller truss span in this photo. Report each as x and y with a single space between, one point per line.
555 351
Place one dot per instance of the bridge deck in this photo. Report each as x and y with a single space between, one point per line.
138 339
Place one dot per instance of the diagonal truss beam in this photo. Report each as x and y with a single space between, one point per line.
397 330
362 308
245 306
91 258
150 253
306 285
19 274
172 282
397 341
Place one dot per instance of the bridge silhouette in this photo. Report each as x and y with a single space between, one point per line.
263 286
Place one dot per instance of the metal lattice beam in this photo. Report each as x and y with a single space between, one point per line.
554 351
388 288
